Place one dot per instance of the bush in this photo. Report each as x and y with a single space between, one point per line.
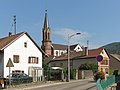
89 66
99 75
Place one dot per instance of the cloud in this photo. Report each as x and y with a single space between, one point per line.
82 38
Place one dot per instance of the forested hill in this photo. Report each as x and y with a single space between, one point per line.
113 48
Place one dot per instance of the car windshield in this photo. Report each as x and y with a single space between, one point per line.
23 75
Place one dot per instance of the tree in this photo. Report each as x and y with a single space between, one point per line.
89 66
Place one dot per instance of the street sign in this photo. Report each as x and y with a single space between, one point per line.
99 58
10 63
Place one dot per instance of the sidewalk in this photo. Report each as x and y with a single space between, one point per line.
39 84
25 86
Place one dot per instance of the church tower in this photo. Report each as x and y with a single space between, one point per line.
46 42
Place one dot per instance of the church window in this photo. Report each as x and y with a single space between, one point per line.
61 53
56 53
48 36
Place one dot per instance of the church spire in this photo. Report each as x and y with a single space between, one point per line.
46 25
46 42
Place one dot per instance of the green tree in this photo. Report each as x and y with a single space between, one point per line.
89 66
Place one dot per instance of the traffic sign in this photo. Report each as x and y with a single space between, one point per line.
9 63
99 58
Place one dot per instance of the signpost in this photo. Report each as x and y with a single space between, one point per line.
9 64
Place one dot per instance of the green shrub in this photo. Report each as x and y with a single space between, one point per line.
99 75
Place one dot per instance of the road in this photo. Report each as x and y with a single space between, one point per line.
86 84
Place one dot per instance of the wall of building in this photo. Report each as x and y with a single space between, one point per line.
17 48
59 52
114 63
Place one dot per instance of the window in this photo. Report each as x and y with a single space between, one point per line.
104 62
106 70
33 60
16 58
61 53
25 44
56 53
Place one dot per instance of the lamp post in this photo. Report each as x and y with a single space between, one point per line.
69 36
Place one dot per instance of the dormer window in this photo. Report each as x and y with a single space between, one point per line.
25 44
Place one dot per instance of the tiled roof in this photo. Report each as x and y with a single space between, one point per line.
65 56
63 47
59 47
91 53
4 42
72 47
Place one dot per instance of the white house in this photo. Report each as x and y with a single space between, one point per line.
25 54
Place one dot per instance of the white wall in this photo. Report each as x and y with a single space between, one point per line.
59 52
78 48
17 48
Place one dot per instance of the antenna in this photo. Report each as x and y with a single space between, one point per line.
14 23
87 43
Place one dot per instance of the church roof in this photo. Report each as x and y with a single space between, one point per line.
76 55
46 24
63 47
59 47
72 47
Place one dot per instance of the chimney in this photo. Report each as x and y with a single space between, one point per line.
86 51
10 34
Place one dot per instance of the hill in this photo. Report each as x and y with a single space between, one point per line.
113 48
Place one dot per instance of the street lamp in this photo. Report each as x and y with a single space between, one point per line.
69 36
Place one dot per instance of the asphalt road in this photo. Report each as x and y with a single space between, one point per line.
86 84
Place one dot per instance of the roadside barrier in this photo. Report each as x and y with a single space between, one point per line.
104 84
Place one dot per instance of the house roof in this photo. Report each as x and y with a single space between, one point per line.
116 56
59 46
81 54
6 41
93 53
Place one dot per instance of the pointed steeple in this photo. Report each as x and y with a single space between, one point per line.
46 42
46 25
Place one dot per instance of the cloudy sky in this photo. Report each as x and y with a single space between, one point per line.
97 20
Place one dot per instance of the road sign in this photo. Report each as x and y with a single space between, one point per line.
99 58
10 63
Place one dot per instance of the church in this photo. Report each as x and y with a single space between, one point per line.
53 49
58 56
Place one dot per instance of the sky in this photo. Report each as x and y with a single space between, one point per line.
98 21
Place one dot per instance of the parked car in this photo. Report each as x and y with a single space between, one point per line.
17 78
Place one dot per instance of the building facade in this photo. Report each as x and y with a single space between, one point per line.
78 58
25 54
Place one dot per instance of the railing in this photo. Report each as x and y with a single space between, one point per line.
104 84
